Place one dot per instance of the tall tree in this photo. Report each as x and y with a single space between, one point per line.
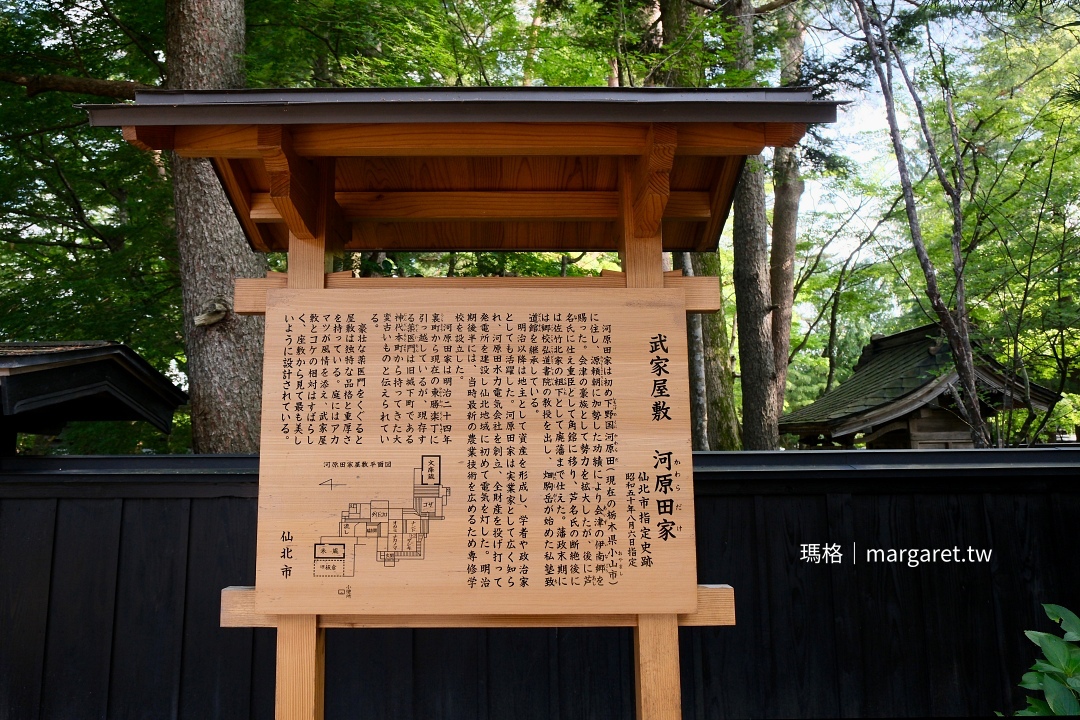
954 321
111 49
753 293
204 51
787 191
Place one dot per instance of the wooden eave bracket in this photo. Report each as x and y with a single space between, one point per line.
650 179
294 181
249 294
715 607
150 138
784 134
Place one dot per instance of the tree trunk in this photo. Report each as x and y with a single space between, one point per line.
724 431
955 325
753 295
699 413
787 190
204 45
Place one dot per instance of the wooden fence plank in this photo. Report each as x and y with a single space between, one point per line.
447 688
216 664
519 685
369 673
78 646
1017 526
799 595
889 595
959 648
594 681
26 552
148 635
726 685
848 607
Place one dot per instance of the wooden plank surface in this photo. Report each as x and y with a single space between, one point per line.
299 669
702 293
78 649
145 677
389 538
566 205
656 653
458 205
216 670
716 607
26 552
475 139
470 139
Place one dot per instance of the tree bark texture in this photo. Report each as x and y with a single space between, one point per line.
723 416
753 295
699 413
204 46
753 298
787 191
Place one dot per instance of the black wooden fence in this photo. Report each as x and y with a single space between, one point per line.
111 569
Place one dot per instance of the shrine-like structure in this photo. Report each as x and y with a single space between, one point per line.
484 452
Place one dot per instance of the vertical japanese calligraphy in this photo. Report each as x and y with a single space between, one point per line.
475 451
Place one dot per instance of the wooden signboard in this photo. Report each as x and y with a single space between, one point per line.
475 451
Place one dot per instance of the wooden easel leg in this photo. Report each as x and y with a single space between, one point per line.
300 668
656 651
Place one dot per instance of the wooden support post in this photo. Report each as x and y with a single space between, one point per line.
301 644
643 194
310 259
300 668
656 657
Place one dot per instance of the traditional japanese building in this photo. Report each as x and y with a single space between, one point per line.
43 386
900 396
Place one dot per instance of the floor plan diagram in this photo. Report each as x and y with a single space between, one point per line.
391 532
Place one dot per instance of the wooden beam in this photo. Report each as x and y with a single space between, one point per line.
454 205
784 134
719 139
716 607
688 206
565 206
228 141
470 139
249 297
149 137
293 180
264 238
721 195
650 180
509 236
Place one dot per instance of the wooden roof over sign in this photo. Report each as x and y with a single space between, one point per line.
476 168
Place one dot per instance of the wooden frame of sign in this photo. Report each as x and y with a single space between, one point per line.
389 460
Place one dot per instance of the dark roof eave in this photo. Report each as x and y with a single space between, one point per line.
134 363
452 105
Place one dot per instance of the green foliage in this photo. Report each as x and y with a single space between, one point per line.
113 438
1057 674
86 239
